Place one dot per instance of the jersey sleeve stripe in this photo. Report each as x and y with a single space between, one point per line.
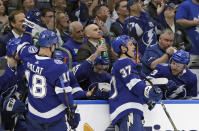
19 47
132 83
67 89
76 89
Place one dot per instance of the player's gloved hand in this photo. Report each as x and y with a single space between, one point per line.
151 104
34 16
100 90
150 93
32 19
73 118
14 105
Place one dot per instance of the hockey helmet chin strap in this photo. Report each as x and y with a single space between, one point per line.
126 53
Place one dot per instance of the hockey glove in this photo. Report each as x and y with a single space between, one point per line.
74 119
32 20
101 91
151 104
150 93
14 105
34 16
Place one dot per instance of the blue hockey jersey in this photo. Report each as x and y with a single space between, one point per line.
77 91
12 81
187 79
73 47
143 29
86 76
127 90
47 79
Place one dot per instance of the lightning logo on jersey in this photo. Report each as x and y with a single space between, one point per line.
143 29
149 38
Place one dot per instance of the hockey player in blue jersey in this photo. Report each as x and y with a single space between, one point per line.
92 73
128 90
140 26
77 92
49 94
12 90
182 82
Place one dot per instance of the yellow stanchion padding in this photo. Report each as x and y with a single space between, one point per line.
87 127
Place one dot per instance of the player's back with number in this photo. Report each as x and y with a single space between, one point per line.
42 81
121 89
43 73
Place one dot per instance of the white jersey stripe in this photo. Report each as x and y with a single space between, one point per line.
67 89
124 107
49 114
132 83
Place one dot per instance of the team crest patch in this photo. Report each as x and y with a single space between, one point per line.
58 61
32 49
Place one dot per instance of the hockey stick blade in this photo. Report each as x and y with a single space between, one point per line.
158 81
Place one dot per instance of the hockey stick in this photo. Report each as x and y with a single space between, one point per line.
162 104
158 81
23 99
69 112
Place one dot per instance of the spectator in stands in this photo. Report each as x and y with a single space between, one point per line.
101 13
3 16
81 12
16 19
188 16
92 33
48 18
121 9
43 4
92 72
181 39
140 26
62 25
77 38
159 53
182 82
90 5
26 5
111 5
59 5
155 8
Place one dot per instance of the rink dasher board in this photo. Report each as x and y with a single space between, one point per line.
185 114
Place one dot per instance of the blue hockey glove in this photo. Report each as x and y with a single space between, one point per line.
14 105
150 93
32 20
101 91
151 104
74 120
34 16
